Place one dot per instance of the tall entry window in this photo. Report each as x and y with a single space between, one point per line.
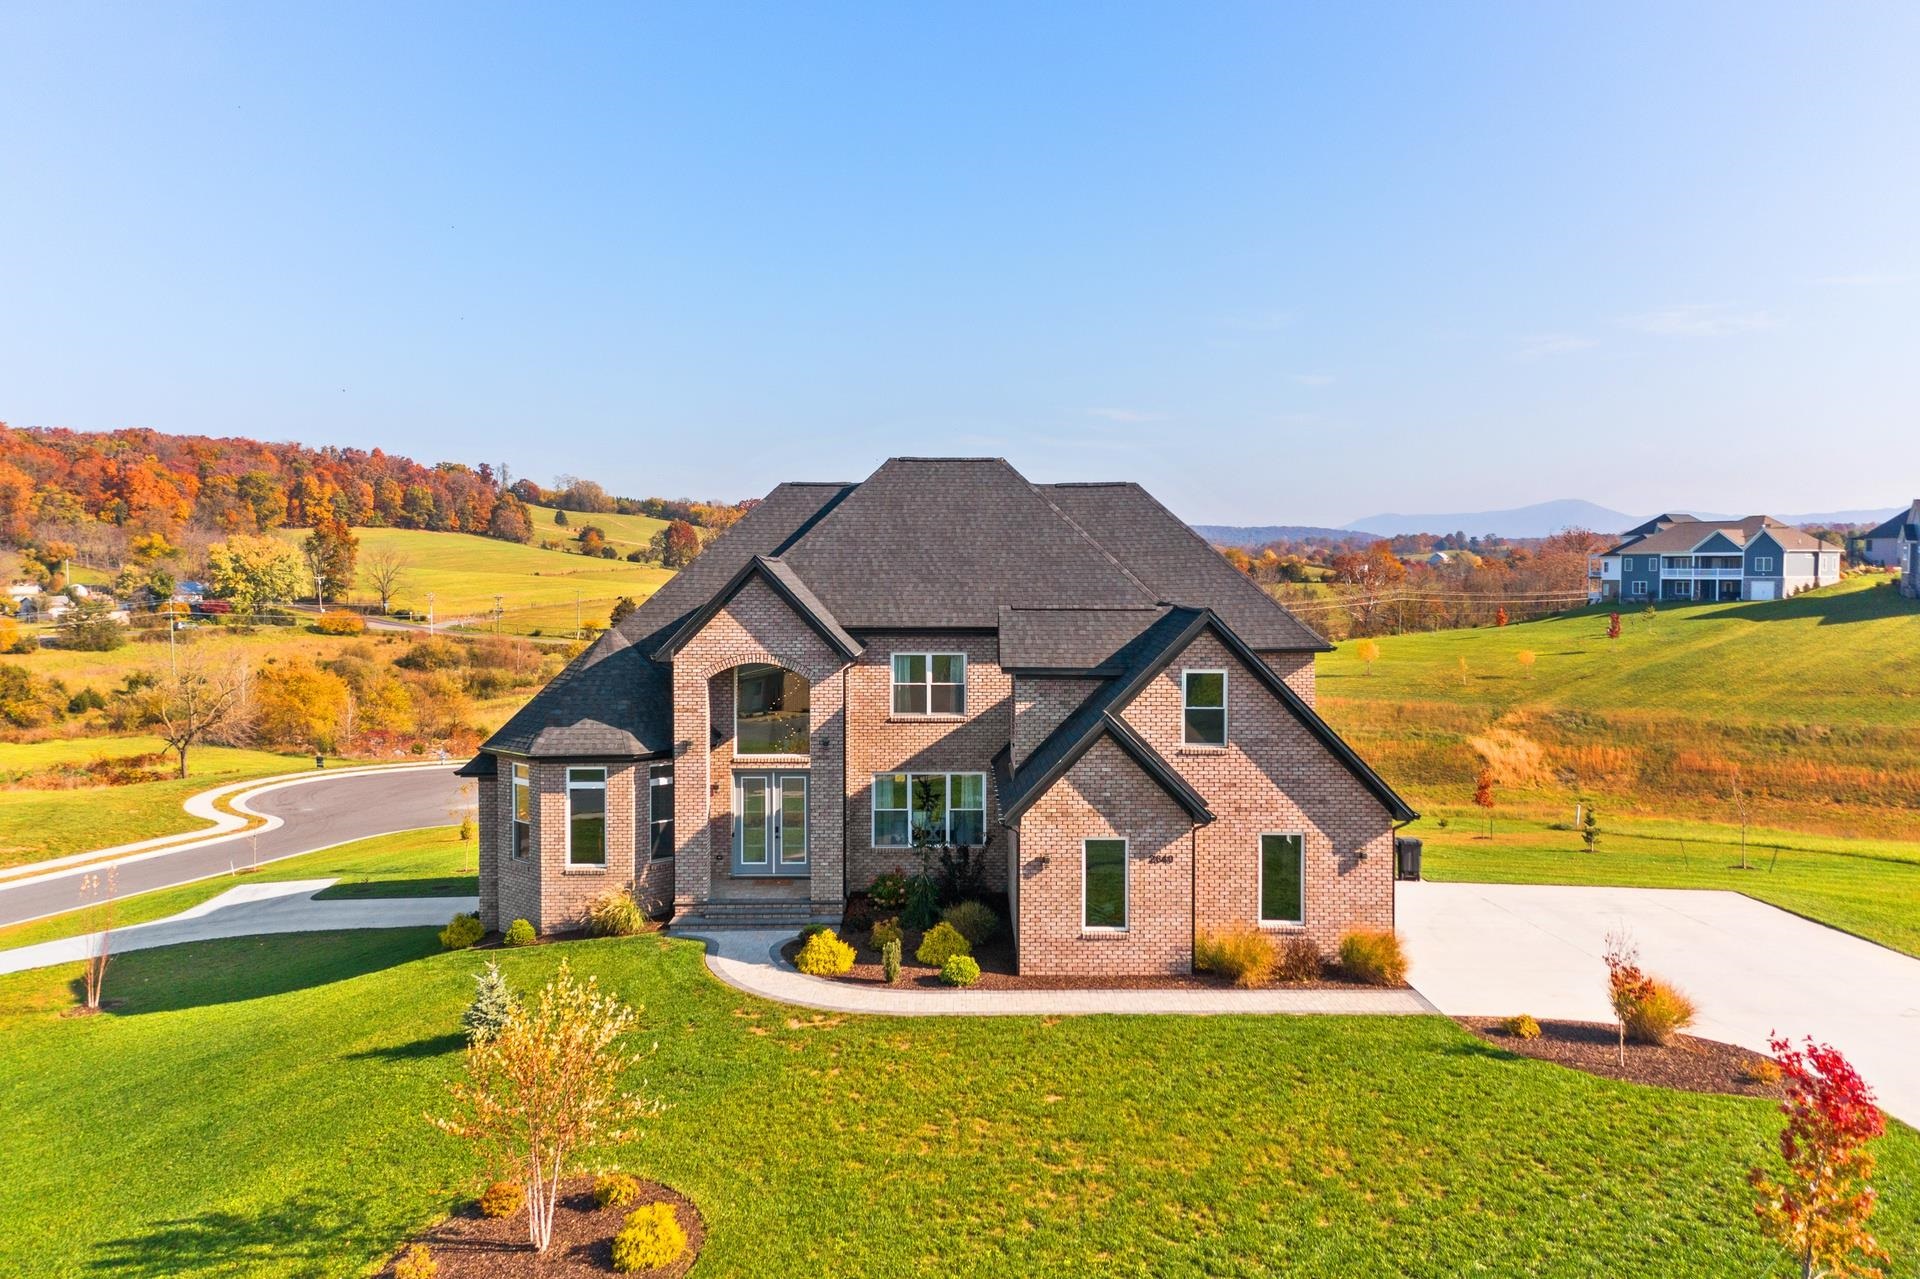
769 711
586 817
660 811
522 813
1104 863
1283 879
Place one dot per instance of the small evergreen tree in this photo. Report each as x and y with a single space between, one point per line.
493 1003
1590 829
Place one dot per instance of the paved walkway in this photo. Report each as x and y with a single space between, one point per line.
283 907
749 960
1499 949
299 814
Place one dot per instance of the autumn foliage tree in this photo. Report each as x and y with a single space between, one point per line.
677 545
1613 626
545 1089
1483 796
1819 1209
1368 651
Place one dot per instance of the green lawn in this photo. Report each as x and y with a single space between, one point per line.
255 1107
38 824
465 572
1868 888
628 532
425 863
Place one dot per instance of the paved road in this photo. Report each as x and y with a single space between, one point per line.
317 814
1499 949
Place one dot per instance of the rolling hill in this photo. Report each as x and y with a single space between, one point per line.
1538 520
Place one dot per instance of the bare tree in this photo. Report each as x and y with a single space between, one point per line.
1739 795
98 896
386 572
197 703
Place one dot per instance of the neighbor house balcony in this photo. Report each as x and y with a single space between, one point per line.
1703 569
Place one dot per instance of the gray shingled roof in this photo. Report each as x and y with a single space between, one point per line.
922 543
1177 564
1896 524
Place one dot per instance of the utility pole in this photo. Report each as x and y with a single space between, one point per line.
429 613
576 614
497 610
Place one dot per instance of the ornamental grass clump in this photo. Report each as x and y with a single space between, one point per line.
1649 1011
546 1091
1374 957
416 1263
942 942
887 930
959 970
824 955
1820 1208
652 1238
1242 955
1298 960
1522 1026
461 932
974 921
615 913
502 1199
615 1189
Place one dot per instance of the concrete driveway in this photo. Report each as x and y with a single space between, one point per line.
1499 949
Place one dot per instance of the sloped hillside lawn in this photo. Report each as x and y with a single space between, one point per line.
254 1108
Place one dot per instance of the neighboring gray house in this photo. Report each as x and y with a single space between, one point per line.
1889 544
1678 557
1910 571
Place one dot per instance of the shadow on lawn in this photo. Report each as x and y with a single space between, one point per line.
197 974
303 1235
434 1046
1824 610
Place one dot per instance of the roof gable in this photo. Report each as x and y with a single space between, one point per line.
1722 542
787 585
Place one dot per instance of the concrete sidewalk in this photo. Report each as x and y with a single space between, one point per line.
749 960
283 907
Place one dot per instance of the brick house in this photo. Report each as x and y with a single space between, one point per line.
1064 675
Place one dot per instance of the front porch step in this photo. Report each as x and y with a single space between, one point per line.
761 914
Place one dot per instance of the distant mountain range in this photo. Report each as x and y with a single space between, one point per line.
1539 520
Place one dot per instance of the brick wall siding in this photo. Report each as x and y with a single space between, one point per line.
487 803
518 893
1272 776
1105 796
1296 669
1041 704
878 742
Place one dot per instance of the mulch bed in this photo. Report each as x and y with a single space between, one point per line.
1689 1064
470 1246
996 960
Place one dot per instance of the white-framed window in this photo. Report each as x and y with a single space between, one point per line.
1203 707
522 813
1103 882
659 811
1762 565
586 817
770 710
1283 878
929 683
1640 589
910 809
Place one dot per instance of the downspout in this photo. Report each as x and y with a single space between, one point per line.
1393 899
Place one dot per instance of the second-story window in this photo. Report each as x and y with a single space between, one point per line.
929 683
1203 707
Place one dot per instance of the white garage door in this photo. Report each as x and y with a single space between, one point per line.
1760 590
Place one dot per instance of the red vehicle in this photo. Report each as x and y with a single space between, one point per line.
208 607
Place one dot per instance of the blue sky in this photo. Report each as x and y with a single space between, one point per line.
1283 264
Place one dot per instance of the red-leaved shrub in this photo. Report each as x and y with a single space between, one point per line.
1818 1212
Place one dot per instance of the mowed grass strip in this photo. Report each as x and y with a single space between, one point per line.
628 532
425 863
255 1107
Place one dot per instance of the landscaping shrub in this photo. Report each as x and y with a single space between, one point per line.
614 913
519 933
652 1238
1244 955
856 916
1763 1070
890 960
615 1189
1659 1012
974 921
502 1199
1373 957
887 930
824 955
812 931
889 892
415 1263
962 872
461 932
959 970
923 903
338 621
493 1003
1299 960
1521 1027
942 942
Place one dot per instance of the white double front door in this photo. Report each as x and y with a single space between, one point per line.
770 823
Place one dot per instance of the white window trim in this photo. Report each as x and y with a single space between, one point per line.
1259 868
573 786
1763 566
1640 589
894 685
874 809
739 754
1126 887
522 777
1185 671
654 786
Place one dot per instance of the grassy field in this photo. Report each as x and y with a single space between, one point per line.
39 824
465 572
255 1107
427 863
628 532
